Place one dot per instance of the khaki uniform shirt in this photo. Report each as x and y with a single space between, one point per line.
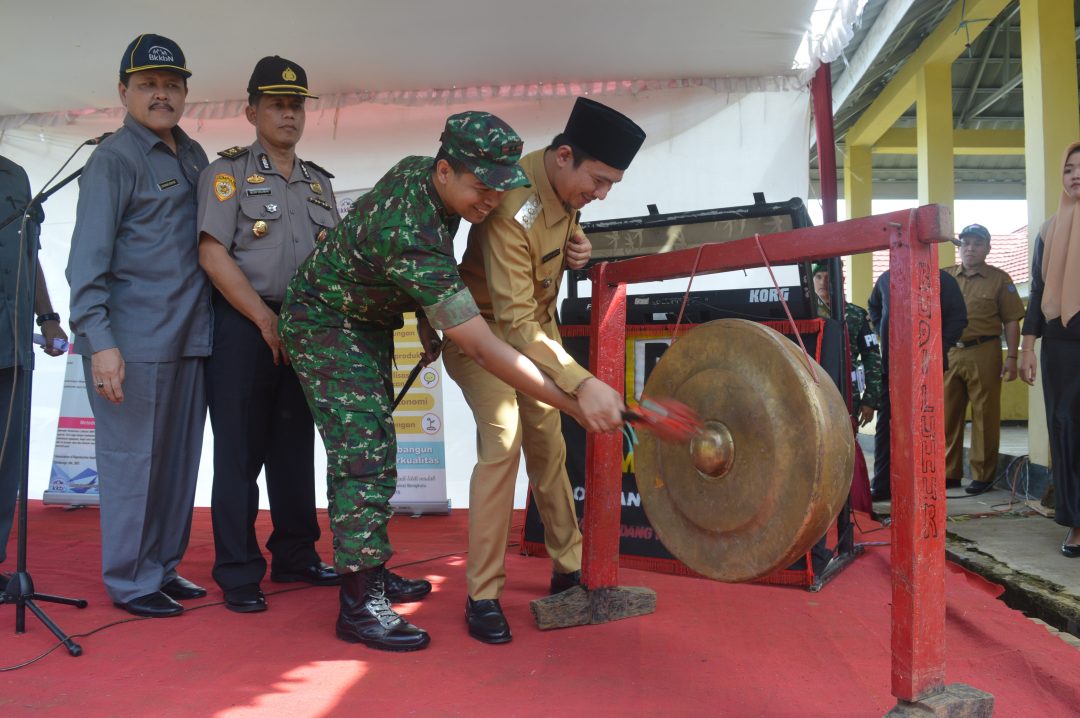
513 266
991 299
268 224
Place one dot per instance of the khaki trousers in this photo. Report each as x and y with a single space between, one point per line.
508 422
974 376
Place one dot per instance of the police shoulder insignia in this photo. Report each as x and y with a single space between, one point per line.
311 164
529 211
234 152
224 186
321 202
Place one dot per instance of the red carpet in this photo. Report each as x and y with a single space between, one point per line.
711 649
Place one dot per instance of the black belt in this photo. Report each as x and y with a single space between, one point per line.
977 340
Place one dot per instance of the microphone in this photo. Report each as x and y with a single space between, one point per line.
97 140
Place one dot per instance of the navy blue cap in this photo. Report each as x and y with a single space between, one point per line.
153 52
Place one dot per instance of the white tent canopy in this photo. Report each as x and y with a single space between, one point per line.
713 85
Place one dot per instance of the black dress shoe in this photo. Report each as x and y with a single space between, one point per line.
405 590
977 487
486 621
152 605
248 598
180 588
564 581
1070 551
317 574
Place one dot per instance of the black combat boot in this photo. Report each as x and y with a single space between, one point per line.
366 616
405 590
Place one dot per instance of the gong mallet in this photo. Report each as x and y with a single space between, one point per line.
408 384
666 419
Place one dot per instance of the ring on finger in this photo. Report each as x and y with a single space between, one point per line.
101 385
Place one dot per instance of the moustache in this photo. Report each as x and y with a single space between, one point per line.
161 106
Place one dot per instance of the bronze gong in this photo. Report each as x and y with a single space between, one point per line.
761 483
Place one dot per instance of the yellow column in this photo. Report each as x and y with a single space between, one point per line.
934 132
1051 122
858 194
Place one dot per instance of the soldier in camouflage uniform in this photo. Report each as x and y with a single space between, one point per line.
865 355
392 253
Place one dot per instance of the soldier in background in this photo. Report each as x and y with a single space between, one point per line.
865 355
393 252
261 210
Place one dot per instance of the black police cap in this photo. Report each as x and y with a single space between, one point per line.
277 76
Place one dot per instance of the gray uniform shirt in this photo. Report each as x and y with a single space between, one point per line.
242 189
134 268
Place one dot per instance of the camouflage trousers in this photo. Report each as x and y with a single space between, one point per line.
346 378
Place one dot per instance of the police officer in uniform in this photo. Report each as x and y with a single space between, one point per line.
513 265
261 211
975 365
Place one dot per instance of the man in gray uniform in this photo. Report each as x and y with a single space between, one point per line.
261 210
140 313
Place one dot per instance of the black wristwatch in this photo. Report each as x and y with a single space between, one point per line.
47 317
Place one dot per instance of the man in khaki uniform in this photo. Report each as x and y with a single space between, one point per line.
975 365
513 266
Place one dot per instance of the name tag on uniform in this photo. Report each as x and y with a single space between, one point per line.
550 255
168 183
256 192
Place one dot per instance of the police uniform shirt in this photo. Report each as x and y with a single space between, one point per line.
513 265
268 224
134 268
991 299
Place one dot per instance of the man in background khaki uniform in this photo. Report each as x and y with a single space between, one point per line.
975 365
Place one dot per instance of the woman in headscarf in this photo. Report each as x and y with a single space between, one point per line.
1052 314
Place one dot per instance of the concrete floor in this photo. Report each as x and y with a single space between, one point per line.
1007 537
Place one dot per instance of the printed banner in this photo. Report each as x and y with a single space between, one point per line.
74 477
418 419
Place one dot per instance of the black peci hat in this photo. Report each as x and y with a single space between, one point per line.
607 135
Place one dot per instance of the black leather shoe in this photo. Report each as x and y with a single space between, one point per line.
248 598
317 574
977 487
562 581
486 621
180 588
152 605
405 590
1070 551
880 495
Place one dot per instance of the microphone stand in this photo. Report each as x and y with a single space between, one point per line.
20 587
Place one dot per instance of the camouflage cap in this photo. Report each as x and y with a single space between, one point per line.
487 146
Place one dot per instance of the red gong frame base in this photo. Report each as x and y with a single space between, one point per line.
915 385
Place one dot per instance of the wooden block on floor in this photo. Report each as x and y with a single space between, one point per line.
579 606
